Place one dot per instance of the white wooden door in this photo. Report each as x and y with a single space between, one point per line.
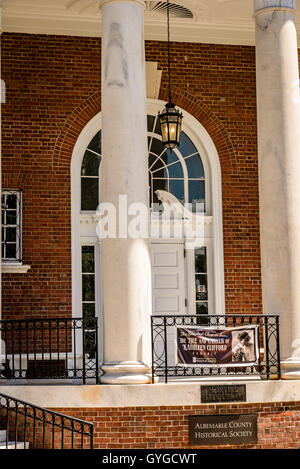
168 290
168 278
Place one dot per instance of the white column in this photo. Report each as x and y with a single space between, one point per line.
126 267
278 106
2 98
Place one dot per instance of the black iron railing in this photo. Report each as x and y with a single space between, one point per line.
49 349
26 426
165 363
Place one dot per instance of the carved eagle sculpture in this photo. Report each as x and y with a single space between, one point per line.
173 208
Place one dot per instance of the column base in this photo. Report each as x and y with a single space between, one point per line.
290 368
126 373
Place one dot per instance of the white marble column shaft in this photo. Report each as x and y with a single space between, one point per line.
278 107
2 344
126 266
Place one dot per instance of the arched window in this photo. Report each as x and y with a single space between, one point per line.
178 171
191 173
90 175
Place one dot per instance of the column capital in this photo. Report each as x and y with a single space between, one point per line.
104 2
261 6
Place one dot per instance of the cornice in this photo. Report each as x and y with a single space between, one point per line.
182 31
105 2
70 22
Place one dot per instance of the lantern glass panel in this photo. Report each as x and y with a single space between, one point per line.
170 123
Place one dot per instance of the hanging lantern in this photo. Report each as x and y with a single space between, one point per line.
171 118
170 124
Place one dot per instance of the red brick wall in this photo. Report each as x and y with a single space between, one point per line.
159 427
167 427
46 78
53 89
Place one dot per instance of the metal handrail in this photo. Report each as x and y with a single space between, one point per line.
28 425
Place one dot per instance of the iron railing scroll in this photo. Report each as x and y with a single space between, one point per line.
163 336
48 349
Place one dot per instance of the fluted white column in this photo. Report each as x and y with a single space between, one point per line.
278 106
2 344
126 267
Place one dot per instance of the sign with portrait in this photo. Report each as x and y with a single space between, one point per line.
208 346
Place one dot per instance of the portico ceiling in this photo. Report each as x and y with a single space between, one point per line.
209 21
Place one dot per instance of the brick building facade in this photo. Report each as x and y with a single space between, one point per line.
53 112
59 80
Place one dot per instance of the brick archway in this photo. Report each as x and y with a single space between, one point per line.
72 128
82 114
210 122
232 185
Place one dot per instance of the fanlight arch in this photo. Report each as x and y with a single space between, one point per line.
180 171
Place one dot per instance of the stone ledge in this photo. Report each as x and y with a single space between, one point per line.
149 395
15 268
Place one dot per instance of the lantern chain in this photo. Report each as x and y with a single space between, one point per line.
169 55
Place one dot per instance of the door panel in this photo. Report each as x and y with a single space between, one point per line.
168 290
168 279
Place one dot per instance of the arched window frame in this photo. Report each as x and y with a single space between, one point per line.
203 142
180 160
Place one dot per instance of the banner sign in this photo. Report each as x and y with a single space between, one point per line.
208 346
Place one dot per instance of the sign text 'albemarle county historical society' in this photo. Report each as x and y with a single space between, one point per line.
222 429
208 346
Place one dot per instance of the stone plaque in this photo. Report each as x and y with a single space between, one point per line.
223 393
207 430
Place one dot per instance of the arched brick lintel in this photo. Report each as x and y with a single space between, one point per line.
210 122
86 111
71 130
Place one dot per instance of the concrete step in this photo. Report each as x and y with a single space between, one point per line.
2 435
12 445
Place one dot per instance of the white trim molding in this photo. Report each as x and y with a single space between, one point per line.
89 131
